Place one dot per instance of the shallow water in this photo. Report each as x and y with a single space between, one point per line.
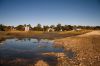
30 52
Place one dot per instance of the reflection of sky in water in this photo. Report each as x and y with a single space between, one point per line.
28 48
31 45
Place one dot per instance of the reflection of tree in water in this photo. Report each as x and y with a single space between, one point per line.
41 63
1 40
24 39
41 43
38 40
19 39
27 39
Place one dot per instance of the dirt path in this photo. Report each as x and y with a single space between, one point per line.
90 33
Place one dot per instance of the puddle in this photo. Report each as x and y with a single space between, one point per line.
28 51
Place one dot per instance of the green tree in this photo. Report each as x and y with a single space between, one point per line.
38 28
52 26
67 27
2 27
20 27
45 28
29 26
8 28
70 27
58 27
97 27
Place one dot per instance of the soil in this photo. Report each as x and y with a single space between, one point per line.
86 47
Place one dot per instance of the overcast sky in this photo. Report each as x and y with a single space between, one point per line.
47 12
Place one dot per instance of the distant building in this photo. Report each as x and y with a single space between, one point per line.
26 28
76 29
50 30
61 30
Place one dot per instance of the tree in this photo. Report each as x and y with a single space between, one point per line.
52 26
30 26
67 27
97 27
58 27
2 27
20 27
38 28
8 28
45 28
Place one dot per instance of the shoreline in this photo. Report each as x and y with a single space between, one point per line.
86 47
40 34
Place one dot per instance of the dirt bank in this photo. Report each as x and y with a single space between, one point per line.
86 46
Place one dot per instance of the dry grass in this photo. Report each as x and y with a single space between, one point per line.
87 49
41 34
75 32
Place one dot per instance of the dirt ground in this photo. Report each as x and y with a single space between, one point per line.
90 33
86 47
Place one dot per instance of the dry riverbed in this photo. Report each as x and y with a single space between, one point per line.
86 47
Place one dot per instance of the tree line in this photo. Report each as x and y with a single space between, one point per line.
39 27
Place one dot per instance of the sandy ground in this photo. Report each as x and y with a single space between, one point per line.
90 33
86 47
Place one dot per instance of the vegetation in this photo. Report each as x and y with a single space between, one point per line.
40 31
2 27
40 34
87 49
39 27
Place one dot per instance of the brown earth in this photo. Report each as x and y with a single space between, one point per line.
86 47
90 33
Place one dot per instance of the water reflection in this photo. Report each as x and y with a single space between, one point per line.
1 40
33 52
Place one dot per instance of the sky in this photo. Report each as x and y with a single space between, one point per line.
50 12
